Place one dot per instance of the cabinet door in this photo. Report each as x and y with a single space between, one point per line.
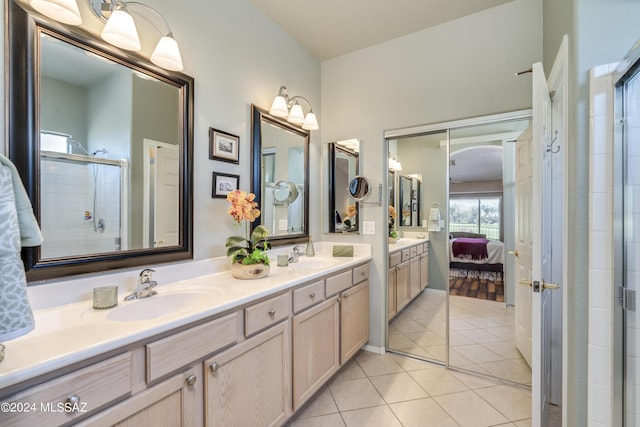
403 291
250 384
424 270
354 320
414 276
170 403
391 290
315 349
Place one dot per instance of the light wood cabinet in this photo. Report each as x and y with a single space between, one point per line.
354 320
391 293
169 403
414 276
315 349
403 289
250 383
424 270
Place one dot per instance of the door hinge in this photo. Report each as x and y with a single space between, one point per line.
627 298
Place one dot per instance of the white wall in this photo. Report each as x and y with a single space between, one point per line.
459 69
237 57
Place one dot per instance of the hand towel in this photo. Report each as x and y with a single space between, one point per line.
30 234
16 317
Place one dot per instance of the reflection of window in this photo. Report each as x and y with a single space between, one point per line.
476 215
54 142
269 164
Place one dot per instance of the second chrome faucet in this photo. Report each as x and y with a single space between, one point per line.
145 287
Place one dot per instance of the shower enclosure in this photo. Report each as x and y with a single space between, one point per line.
88 196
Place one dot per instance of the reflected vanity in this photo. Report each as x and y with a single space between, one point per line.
103 142
279 183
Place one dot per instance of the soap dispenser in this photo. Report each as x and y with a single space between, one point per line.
310 250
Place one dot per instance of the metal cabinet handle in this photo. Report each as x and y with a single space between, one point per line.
312 295
191 379
214 367
345 296
73 400
272 312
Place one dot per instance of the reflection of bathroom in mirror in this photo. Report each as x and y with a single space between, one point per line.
279 177
470 174
343 211
410 200
108 165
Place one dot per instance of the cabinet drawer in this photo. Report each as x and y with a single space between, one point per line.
395 259
178 350
420 248
308 296
413 251
406 254
339 283
426 247
266 313
85 390
360 273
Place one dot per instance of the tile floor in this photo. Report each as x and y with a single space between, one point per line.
482 337
393 390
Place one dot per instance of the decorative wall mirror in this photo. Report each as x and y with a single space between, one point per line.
281 186
344 166
119 129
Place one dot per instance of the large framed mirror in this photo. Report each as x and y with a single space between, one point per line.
280 177
344 166
103 143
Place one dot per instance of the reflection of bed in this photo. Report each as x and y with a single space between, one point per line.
470 251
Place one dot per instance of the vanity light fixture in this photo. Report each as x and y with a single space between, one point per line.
65 11
394 163
290 108
120 30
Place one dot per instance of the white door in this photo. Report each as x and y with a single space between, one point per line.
167 196
534 246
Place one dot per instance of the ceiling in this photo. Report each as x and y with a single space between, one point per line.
330 28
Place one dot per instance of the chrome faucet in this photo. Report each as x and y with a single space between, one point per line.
296 253
145 286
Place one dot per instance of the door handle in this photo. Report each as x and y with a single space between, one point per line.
513 252
525 282
553 286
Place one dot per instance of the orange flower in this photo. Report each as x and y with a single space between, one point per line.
351 210
392 212
242 206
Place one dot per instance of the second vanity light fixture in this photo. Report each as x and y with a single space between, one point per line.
290 108
120 29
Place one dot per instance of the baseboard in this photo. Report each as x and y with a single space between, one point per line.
373 349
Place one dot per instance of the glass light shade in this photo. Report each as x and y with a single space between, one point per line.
295 115
279 107
167 55
121 31
310 122
65 11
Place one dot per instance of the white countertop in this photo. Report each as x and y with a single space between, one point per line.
73 332
404 243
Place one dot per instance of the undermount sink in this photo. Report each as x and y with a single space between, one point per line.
155 307
306 263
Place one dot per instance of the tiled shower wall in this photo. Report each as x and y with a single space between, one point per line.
68 191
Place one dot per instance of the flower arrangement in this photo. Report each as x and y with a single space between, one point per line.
393 233
349 221
251 248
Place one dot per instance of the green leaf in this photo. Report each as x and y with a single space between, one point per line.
234 240
259 233
237 250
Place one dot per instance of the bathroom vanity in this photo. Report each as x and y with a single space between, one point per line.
408 273
228 352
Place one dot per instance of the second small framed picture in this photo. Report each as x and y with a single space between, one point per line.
223 184
224 146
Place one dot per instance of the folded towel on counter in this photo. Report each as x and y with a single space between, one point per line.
16 317
30 234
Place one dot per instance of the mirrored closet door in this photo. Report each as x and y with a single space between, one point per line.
466 316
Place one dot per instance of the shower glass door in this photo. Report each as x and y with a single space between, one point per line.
628 92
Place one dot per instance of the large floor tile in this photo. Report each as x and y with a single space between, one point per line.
511 403
321 404
376 364
350 371
371 417
355 394
470 410
398 387
333 420
437 381
423 412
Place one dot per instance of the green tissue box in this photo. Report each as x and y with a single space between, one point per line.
343 251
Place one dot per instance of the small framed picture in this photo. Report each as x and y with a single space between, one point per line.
224 146
223 184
